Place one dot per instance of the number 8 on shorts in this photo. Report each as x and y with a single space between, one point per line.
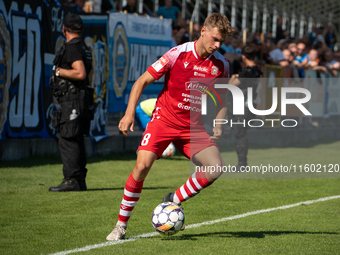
145 140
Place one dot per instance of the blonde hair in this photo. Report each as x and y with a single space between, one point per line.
221 22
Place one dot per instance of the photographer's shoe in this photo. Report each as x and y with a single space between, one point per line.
66 185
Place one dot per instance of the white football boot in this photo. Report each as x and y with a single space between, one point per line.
118 233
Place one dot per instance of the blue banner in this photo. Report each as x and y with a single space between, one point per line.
136 42
30 36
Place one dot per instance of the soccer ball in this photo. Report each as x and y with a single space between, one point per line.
169 151
167 218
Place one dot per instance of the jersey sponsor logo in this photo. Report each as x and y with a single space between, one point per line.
199 74
160 63
120 60
201 69
214 70
186 64
195 86
188 108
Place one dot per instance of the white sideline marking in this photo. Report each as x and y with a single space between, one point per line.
134 238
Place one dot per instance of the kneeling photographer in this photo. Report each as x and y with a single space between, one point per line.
72 66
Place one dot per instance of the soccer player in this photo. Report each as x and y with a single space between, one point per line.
177 118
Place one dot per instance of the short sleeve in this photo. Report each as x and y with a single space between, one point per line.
73 53
164 64
176 10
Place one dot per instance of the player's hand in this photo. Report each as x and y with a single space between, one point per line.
217 134
126 123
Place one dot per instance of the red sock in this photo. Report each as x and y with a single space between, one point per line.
196 182
132 193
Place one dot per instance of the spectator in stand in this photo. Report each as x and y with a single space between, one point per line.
169 11
312 35
196 33
321 49
80 6
332 65
320 37
337 51
178 36
280 33
66 2
282 44
174 31
257 35
256 44
276 55
230 48
228 51
226 46
314 61
185 35
89 6
302 59
235 43
130 7
293 49
267 47
110 6
330 37
237 55
183 23
313 58
288 55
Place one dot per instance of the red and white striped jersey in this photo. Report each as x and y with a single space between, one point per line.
179 103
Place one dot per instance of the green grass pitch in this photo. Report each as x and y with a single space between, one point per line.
35 221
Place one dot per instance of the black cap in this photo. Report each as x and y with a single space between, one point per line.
73 22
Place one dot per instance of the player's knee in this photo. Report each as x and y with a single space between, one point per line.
213 172
214 164
142 167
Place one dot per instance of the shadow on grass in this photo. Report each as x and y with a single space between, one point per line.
122 188
55 159
325 141
52 159
244 234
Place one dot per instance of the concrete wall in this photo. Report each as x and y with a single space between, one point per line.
14 149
